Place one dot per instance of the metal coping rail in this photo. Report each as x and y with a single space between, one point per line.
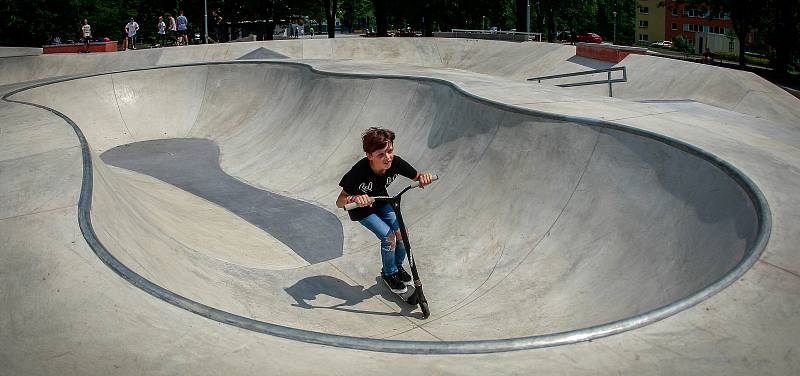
532 36
608 81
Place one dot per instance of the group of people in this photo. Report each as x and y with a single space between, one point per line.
177 31
295 30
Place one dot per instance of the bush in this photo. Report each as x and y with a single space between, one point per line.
682 44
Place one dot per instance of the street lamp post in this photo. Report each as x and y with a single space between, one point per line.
483 22
205 18
615 28
528 19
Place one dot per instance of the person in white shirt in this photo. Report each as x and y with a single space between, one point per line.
162 31
86 34
131 28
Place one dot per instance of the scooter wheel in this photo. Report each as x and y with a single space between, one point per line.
425 311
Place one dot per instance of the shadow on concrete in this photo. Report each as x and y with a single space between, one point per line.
308 289
262 53
315 234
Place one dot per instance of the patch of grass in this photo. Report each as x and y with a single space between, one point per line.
752 60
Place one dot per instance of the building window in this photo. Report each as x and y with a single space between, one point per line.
692 27
643 38
644 10
718 15
643 24
675 12
674 26
715 29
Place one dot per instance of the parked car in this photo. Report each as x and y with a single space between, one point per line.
590 38
662 44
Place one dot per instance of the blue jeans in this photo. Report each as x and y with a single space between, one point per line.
384 225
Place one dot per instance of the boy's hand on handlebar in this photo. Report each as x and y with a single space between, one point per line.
424 179
362 200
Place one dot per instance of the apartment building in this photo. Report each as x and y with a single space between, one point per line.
650 21
702 26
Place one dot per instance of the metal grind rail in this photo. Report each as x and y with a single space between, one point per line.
608 81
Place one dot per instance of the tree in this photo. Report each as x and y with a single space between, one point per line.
381 24
521 14
783 33
329 7
745 16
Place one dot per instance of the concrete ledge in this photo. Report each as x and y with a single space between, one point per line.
607 52
110 46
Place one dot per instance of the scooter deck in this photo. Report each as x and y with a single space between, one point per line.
408 296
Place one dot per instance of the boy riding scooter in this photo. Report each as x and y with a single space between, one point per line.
370 177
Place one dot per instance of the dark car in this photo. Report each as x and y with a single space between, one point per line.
590 38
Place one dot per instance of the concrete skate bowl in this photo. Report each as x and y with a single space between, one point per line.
544 230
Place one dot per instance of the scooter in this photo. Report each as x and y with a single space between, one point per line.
414 295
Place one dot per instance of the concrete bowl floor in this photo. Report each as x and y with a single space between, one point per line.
539 224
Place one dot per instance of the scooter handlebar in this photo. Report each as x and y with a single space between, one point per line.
354 205
414 184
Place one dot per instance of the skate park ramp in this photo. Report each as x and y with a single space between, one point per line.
539 225
19 51
649 77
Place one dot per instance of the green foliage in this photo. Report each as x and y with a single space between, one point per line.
355 14
582 16
751 60
681 44
33 22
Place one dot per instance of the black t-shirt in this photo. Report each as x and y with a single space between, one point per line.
361 180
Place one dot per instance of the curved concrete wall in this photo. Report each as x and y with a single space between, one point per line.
650 78
538 225
19 51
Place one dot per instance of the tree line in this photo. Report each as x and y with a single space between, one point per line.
33 22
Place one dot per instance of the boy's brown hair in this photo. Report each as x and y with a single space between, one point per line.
375 138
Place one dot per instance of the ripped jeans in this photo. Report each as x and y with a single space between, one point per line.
384 226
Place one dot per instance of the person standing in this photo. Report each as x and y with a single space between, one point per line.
218 26
132 28
182 24
86 34
162 31
173 29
